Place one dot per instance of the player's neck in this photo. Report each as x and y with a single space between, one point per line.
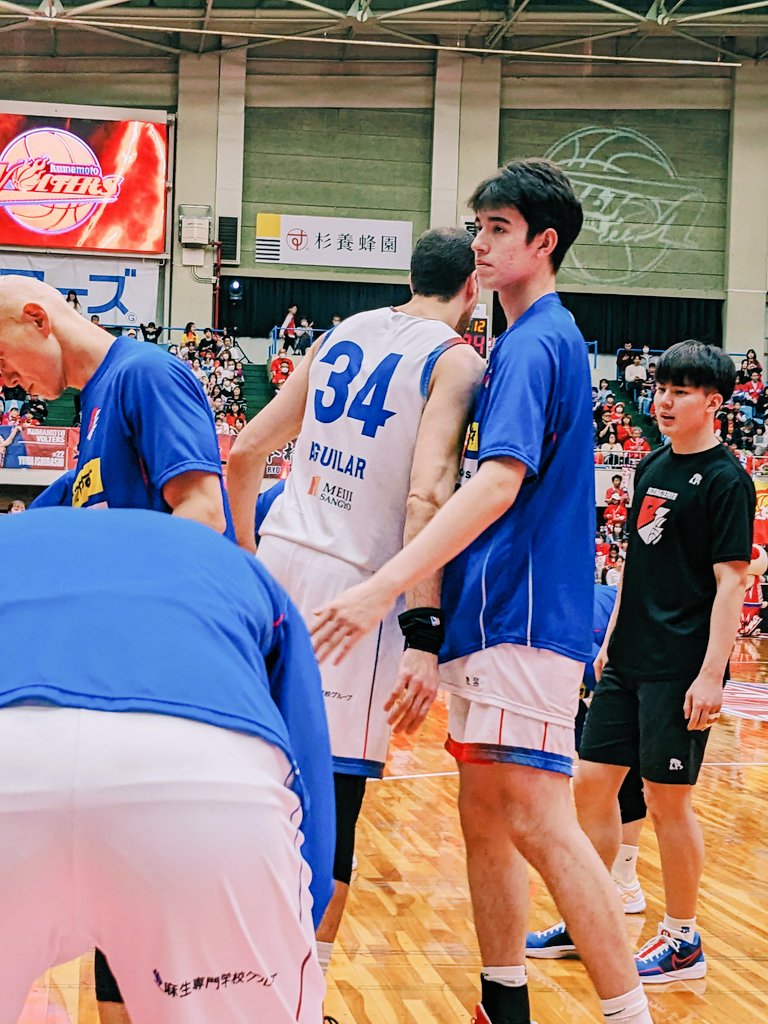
520 296
84 353
697 440
429 308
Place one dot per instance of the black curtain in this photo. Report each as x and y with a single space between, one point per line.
265 300
656 321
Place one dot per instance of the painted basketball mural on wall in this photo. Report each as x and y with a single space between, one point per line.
79 184
634 201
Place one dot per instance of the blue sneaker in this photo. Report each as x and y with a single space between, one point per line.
552 944
665 958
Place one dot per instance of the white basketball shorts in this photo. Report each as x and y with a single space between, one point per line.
513 704
357 689
171 845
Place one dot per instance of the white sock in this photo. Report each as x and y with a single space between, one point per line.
631 1008
511 977
680 927
324 954
624 868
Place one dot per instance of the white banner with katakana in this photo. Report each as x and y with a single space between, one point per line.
333 241
121 292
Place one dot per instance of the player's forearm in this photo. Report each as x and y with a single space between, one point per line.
723 625
245 472
471 510
203 510
421 510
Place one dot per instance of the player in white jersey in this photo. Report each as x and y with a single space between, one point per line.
380 406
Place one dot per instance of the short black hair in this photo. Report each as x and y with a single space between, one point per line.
541 193
441 262
693 364
616 476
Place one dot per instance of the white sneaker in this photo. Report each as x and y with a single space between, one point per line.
632 897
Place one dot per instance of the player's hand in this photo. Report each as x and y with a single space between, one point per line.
703 702
416 689
599 663
341 623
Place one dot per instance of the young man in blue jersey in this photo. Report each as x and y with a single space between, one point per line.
517 592
179 825
147 438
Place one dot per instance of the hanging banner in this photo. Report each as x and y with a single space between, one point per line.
77 183
121 292
333 241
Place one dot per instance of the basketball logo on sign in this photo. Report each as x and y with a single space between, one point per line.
52 182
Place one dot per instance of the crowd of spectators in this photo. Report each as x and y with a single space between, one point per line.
217 361
17 410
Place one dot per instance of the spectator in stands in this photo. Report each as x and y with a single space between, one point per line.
222 427
752 361
239 373
17 505
227 366
596 405
635 376
646 357
613 564
198 370
603 391
151 332
235 413
280 370
618 490
11 439
612 450
636 446
742 374
95 319
610 406
10 416
623 359
237 396
207 339
173 350
604 428
753 388
189 337
615 512
36 407
617 534
624 429
645 399
335 320
303 336
287 333
233 349
618 412
73 301
759 441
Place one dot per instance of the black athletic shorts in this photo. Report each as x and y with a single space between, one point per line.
641 724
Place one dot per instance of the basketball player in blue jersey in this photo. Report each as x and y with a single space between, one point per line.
517 594
147 439
380 406
196 863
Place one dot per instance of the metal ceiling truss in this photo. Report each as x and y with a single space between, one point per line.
418 26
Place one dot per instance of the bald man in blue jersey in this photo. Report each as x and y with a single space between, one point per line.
181 826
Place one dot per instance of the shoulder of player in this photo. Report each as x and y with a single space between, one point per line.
458 361
727 472
144 360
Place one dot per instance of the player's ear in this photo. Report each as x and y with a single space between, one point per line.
547 242
38 315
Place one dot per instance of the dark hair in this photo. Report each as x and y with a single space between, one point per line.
542 195
696 365
616 476
441 262
189 326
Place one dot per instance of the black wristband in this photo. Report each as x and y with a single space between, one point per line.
423 629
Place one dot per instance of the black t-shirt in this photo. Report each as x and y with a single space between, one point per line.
688 513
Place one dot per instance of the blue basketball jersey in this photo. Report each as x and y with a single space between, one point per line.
145 420
528 578
140 612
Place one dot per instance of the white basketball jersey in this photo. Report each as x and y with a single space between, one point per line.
347 491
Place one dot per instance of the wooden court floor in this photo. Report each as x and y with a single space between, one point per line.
406 952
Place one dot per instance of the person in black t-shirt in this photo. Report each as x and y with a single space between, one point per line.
662 665
665 658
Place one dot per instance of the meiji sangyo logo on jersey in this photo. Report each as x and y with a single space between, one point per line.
331 494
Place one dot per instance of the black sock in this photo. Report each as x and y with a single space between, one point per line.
505 1005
